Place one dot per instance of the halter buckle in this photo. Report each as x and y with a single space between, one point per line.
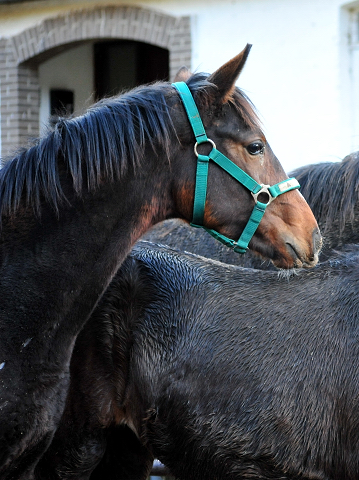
201 143
264 189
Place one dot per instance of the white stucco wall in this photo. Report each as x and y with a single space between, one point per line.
297 73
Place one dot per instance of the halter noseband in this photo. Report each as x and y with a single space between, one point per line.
236 172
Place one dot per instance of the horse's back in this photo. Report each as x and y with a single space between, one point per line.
180 235
238 358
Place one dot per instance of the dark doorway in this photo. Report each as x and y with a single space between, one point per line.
61 104
125 64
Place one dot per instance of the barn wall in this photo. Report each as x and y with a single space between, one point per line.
299 73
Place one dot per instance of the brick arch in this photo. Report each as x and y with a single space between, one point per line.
21 54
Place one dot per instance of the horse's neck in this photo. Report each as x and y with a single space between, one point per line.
58 269
336 237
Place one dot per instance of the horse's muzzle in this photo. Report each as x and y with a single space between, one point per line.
302 260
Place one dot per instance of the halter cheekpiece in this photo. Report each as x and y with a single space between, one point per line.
241 245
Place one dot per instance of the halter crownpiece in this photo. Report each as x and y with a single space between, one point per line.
241 245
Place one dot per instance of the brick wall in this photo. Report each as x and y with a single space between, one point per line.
20 56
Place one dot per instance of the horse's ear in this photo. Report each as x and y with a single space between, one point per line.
226 76
182 75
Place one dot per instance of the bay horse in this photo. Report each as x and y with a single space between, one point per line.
220 372
73 204
331 189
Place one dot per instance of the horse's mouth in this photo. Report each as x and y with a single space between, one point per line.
300 261
290 258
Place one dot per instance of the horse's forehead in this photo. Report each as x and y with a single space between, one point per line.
234 123
233 116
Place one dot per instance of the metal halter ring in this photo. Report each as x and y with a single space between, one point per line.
208 140
264 189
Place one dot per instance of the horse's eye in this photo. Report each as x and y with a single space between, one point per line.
255 148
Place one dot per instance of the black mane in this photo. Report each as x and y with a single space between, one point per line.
332 190
99 145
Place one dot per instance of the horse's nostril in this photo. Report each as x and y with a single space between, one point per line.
317 240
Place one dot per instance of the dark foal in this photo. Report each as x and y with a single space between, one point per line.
220 372
332 191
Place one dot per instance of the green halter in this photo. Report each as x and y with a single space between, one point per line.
242 177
